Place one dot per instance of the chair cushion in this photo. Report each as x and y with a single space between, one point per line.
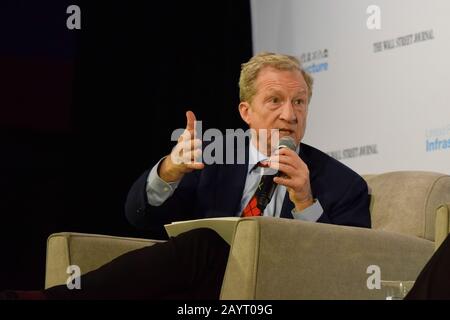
406 201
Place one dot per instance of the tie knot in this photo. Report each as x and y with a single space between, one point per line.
260 164
263 163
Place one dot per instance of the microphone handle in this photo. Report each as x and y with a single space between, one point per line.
266 188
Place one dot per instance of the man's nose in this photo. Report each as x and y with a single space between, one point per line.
287 112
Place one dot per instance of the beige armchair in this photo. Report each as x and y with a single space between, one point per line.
289 259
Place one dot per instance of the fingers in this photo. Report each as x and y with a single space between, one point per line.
187 152
296 181
186 135
189 132
284 168
287 182
190 122
195 165
186 156
188 149
286 152
276 160
287 157
191 155
290 165
187 145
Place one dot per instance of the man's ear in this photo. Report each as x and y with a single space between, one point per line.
244 110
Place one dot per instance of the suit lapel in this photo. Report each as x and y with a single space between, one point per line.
231 180
232 186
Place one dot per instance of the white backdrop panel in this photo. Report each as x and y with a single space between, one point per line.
394 100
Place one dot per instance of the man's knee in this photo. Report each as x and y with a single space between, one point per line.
201 240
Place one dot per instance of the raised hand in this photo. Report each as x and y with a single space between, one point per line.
185 155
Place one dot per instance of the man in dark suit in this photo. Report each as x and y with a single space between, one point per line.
275 94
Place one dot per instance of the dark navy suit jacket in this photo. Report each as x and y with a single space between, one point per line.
216 191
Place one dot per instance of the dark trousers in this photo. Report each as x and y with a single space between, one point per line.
189 266
433 281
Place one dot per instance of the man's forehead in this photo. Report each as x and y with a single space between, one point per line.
279 88
273 79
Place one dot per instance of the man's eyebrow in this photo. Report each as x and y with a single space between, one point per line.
301 92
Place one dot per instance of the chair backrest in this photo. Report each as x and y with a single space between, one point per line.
406 201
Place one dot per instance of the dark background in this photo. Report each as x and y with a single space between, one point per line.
84 112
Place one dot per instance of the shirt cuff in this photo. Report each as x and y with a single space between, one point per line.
158 191
312 213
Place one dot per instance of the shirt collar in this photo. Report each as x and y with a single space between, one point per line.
256 156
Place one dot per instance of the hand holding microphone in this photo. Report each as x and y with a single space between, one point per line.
293 173
184 155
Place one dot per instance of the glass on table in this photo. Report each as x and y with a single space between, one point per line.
396 290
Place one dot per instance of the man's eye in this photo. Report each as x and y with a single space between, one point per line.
274 100
299 102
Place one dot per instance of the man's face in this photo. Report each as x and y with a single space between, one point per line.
280 102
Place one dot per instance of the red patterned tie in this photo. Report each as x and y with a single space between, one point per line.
251 210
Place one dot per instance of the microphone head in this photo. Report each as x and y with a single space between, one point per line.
287 142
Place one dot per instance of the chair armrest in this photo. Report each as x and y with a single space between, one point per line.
442 224
88 251
274 258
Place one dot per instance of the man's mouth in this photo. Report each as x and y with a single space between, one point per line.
286 131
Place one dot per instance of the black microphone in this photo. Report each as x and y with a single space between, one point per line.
266 186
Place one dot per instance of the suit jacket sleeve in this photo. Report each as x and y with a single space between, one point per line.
180 206
351 207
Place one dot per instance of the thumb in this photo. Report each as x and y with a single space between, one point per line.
190 121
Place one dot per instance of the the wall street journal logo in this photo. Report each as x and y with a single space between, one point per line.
354 152
403 41
315 61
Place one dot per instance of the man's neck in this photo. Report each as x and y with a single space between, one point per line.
263 150
255 155
267 151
